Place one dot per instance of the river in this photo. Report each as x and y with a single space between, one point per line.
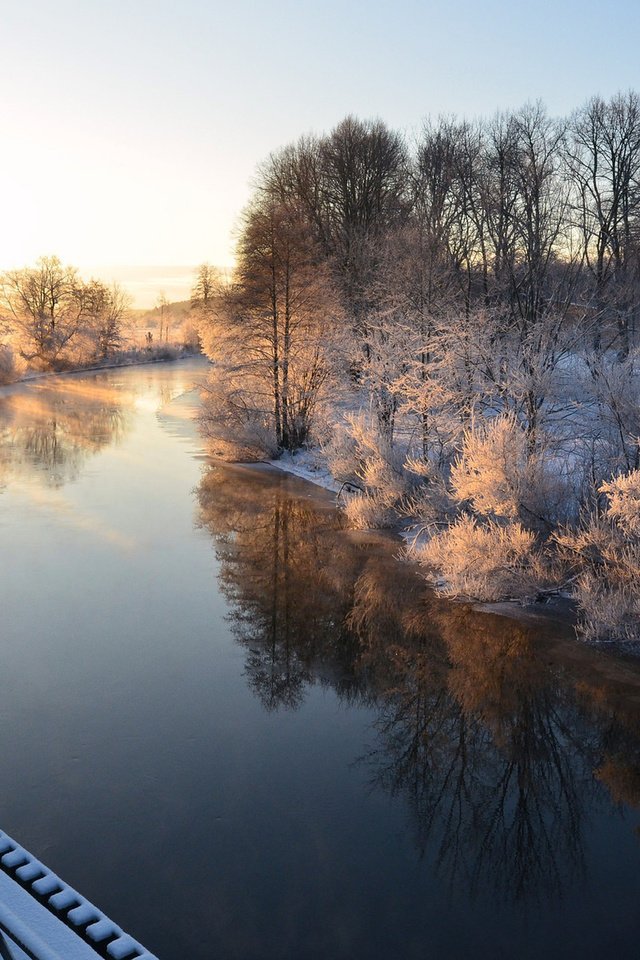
248 734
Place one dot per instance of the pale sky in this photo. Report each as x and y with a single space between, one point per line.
131 130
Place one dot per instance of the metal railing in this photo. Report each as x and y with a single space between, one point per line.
43 918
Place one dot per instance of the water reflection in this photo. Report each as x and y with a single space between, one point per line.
491 757
52 427
279 560
499 756
55 427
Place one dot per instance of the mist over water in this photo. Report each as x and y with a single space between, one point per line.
244 732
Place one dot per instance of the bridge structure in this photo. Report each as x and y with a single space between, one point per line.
43 918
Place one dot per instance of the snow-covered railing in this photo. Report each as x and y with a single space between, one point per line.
48 920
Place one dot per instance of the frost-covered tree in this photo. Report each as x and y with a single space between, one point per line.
54 319
205 287
106 309
350 187
269 330
45 309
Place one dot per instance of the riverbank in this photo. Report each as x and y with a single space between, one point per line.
128 359
599 673
554 607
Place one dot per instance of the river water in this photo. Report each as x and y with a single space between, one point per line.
247 734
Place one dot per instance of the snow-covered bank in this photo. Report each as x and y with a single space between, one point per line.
472 569
309 465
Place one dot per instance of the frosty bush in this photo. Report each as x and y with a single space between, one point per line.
365 511
484 561
429 502
623 494
491 471
365 456
500 476
606 552
342 456
608 611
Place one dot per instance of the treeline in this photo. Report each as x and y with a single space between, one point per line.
455 322
51 319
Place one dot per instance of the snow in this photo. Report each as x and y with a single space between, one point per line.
35 928
308 465
38 930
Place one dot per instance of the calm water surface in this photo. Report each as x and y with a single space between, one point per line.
245 733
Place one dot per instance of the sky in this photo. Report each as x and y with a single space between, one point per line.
130 131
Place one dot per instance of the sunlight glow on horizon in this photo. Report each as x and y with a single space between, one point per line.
145 283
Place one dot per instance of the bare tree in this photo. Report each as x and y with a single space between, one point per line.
603 153
106 309
46 309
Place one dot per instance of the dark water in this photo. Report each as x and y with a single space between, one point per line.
245 733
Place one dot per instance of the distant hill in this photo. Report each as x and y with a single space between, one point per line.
178 308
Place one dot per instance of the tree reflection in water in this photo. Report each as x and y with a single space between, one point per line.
56 427
491 756
493 749
278 557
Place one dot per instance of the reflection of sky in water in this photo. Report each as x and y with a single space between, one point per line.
243 733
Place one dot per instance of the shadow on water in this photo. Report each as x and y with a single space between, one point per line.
499 750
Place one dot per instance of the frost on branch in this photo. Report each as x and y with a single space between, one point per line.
484 561
500 477
623 494
606 553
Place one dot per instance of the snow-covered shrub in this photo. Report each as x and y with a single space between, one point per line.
501 477
363 456
429 500
623 494
491 471
365 511
164 351
608 611
605 551
486 561
341 454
